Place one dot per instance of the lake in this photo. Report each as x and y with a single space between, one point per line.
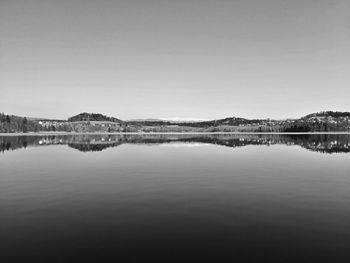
181 198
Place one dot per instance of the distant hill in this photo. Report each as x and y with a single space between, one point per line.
232 121
93 117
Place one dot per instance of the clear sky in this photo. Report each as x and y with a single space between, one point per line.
174 58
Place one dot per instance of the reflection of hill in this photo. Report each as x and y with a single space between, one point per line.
93 147
325 143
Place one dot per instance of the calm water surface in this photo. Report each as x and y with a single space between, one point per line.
183 198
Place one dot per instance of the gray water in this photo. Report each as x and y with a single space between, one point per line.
182 198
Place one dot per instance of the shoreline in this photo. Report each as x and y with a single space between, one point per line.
165 133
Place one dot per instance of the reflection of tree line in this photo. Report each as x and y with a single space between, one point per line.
326 143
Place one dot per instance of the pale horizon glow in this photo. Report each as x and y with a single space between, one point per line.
192 59
184 119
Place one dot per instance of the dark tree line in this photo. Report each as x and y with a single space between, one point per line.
318 126
11 124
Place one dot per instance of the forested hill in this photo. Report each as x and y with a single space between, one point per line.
93 117
333 114
325 121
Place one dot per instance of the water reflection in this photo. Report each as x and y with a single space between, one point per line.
324 143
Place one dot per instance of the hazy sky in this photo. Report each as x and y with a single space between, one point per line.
175 58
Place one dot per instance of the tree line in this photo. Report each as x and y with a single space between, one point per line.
340 121
11 123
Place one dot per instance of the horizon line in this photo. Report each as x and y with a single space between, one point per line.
176 119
